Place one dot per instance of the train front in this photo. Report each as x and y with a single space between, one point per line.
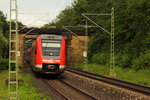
50 54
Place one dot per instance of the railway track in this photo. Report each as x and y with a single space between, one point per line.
58 93
128 85
77 90
72 91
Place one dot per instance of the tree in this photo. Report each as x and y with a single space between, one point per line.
4 26
132 22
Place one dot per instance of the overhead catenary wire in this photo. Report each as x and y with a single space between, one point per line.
65 27
30 23
31 13
28 32
95 23
65 4
59 9
112 58
57 5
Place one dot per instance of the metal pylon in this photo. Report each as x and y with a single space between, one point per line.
112 45
86 44
112 62
13 50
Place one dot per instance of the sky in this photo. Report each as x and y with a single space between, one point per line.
35 13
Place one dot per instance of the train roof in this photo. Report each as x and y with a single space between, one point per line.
51 36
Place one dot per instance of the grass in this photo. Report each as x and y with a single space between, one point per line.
3 87
26 89
140 77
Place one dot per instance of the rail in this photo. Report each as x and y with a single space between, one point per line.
63 97
79 91
128 85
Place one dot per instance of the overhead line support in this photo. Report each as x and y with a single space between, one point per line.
112 58
95 23
94 14
86 34
65 27
13 52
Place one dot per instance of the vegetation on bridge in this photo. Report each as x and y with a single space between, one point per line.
132 30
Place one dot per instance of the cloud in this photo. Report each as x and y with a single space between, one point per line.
36 6
33 20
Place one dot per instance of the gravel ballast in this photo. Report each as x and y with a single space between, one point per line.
101 90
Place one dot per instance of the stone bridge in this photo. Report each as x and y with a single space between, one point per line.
75 48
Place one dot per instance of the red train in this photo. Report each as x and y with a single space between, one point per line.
48 54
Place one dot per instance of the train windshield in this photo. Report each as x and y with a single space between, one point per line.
51 48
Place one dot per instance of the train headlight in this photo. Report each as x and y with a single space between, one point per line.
51 54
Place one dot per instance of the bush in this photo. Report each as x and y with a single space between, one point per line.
3 47
123 60
4 63
143 61
100 58
4 50
27 91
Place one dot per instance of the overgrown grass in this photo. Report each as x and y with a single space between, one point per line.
26 89
3 87
140 77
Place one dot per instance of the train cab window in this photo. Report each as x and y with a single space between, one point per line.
51 48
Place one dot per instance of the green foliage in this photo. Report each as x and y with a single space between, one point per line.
20 25
140 77
4 63
26 93
26 89
143 61
132 32
123 60
3 53
100 58
4 26
94 68
4 44
3 87
3 47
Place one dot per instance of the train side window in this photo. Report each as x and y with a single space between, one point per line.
35 50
